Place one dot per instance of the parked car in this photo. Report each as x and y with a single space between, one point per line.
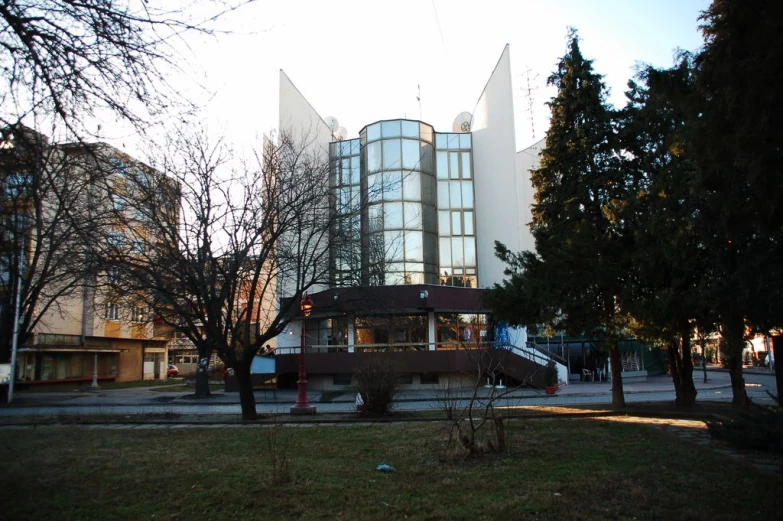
172 371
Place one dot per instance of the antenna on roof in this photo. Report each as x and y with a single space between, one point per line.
418 98
529 94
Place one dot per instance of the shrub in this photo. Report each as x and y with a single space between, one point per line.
761 429
376 383
550 374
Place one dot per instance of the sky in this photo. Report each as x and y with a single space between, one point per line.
362 61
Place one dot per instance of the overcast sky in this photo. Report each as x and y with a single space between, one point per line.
362 61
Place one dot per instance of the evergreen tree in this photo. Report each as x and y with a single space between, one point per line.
737 140
574 279
667 273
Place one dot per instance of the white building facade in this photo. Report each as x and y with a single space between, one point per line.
419 207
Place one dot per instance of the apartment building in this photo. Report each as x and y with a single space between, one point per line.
70 215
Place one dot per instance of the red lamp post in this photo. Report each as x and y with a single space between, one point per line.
302 406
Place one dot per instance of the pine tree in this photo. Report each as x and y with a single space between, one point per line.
738 141
573 280
667 273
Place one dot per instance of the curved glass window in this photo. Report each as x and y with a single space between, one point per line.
375 217
374 132
394 248
411 154
395 181
414 246
392 185
411 186
391 153
374 187
392 216
390 128
413 217
410 129
373 157
425 132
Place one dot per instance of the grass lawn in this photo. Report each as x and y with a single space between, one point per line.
556 469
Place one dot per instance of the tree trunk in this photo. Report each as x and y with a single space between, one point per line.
703 357
247 398
202 378
682 373
733 334
618 397
674 371
777 352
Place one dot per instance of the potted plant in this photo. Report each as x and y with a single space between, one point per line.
550 377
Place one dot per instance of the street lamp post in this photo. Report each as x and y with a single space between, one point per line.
302 406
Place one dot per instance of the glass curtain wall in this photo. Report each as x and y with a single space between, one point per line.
456 219
346 193
398 227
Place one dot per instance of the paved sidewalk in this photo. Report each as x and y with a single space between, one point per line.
656 388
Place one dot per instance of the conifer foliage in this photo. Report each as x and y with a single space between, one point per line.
579 268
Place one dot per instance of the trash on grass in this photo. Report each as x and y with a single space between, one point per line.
383 467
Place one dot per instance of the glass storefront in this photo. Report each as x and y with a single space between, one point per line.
460 330
33 367
391 333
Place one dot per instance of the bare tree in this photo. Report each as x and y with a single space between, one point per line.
71 59
472 409
232 234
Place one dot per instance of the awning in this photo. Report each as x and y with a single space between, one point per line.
72 349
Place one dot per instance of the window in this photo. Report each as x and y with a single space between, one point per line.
341 379
390 128
17 184
391 154
403 378
411 154
373 157
429 379
112 312
410 129
139 314
113 275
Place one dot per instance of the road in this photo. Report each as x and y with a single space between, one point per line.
140 401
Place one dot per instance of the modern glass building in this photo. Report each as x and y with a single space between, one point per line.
406 199
419 210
